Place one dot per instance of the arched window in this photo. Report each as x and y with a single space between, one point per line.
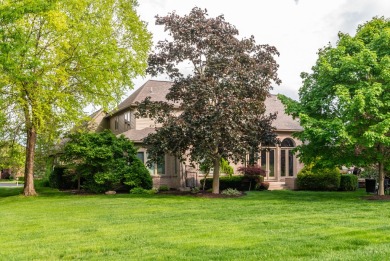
287 143
287 158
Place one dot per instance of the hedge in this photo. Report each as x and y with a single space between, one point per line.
234 182
324 179
348 182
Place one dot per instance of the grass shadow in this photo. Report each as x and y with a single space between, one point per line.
10 192
308 196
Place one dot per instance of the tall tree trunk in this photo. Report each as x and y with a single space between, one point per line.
381 188
29 189
217 161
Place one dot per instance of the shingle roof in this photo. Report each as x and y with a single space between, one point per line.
283 122
157 90
138 135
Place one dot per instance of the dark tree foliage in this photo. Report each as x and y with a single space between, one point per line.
105 162
253 170
252 174
221 102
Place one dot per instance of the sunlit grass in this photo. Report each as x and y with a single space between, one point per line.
269 225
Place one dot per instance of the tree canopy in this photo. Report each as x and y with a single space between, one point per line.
221 101
57 57
344 104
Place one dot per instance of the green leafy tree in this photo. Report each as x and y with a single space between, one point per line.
12 152
104 161
221 100
57 57
226 168
344 104
12 157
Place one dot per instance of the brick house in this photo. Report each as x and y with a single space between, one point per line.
278 160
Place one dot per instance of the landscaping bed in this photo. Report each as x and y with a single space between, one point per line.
204 194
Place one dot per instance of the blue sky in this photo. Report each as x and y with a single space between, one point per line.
297 28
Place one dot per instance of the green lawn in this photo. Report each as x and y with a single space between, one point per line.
270 225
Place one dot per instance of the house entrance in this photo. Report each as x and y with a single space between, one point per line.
267 161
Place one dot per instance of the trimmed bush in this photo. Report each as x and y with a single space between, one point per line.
348 182
163 188
233 182
231 192
263 186
320 179
142 191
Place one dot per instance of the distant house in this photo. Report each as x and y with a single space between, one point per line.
278 160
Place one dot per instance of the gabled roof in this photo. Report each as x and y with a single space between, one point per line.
283 122
157 90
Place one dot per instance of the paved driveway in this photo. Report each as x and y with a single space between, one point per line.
10 185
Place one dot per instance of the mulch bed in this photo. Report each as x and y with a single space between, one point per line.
377 197
201 194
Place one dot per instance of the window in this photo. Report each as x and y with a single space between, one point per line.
253 157
283 163
287 143
127 117
267 161
156 168
290 163
141 156
127 120
271 168
287 158
116 123
161 167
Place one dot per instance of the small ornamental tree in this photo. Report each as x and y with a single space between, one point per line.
105 162
253 174
344 104
221 100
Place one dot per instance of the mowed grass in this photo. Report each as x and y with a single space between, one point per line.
269 225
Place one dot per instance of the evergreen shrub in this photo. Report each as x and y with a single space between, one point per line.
263 186
163 188
348 182
102 162
319 179
60 180
233 182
